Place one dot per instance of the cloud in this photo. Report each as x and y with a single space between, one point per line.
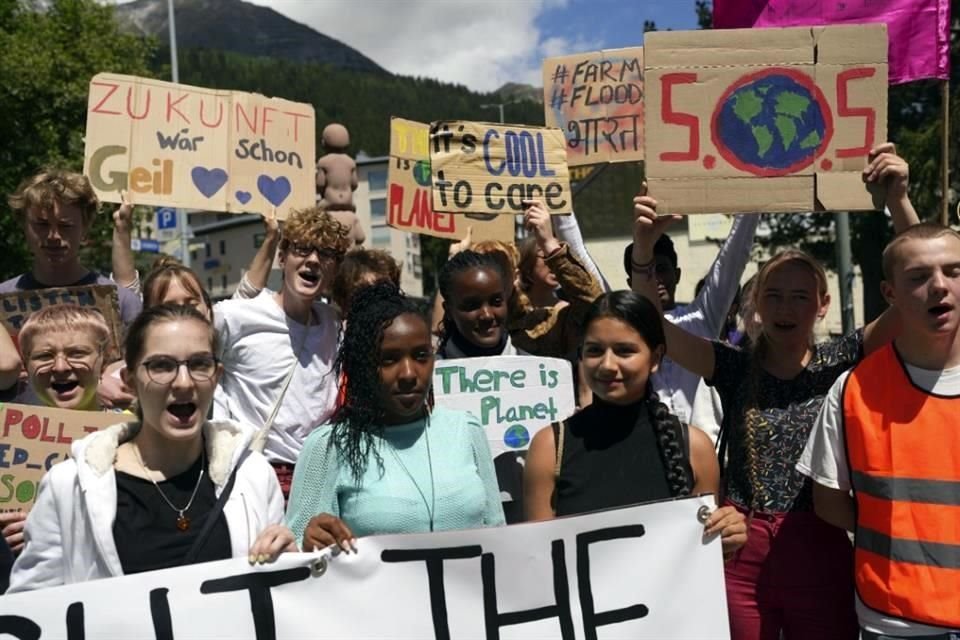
478 43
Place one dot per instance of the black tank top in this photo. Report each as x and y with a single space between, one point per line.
611 458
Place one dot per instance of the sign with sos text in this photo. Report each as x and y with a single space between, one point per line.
764 120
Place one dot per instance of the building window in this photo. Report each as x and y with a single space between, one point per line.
377 180
209 284
378 211
223 247
381 236
223 282
206 246
193 256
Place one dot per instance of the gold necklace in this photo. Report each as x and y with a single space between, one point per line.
183 522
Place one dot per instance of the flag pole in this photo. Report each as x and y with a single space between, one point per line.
945 151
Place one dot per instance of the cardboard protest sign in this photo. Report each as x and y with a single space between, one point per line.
480 167
175 145
512 396
621 573
764 120
32 440
16 307
409 193
596 99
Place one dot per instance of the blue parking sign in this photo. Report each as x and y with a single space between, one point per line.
166 218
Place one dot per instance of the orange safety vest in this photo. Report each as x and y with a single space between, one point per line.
903 449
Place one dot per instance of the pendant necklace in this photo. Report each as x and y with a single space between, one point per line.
183 522
432 505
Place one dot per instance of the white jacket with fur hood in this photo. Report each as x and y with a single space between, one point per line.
69 532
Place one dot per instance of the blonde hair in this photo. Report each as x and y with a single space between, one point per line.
922 231
315 226
60 319
753 419
784 257
51 188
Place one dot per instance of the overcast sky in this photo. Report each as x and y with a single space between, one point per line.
482 43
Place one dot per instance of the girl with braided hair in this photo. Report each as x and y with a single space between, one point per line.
625 447
387 462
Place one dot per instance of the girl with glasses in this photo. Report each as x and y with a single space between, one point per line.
168 489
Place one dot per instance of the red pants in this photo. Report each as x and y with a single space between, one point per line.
794 576
284 473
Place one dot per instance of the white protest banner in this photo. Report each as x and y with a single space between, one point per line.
512 396
635 573
174 145
596 99
478 167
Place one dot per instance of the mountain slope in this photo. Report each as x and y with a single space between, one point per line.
241 27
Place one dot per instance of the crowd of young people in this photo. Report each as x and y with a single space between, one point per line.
321 393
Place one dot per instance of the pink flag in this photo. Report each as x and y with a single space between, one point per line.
919 30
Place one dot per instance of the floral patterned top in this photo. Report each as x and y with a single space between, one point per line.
760 470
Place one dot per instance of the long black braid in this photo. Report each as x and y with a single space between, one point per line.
360 417
639 313
461 263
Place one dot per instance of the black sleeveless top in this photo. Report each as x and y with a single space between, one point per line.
611 458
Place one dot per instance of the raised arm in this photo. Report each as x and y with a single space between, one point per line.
723 278
121 255
568 231
576 281
691 352
886 167
258 272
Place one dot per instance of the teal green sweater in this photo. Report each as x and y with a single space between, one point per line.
387 500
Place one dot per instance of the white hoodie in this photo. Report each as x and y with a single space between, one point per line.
69 532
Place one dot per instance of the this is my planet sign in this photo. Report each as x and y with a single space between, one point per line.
764 120
512 396
175 145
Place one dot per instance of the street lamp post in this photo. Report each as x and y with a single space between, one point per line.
182 217
499 105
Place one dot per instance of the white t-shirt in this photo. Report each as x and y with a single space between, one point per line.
258 346
825 461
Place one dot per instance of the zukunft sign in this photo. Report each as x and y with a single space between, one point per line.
636 573
512 396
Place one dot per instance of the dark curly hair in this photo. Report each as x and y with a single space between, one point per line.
639 313
461 263
359 417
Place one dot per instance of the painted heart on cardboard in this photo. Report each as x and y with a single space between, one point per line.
208 181
275 191
243 196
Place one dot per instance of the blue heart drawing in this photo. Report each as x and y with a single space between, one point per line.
244 196
275 191
208 181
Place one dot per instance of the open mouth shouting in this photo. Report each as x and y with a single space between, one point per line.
940 312
66 389
183 414
309 278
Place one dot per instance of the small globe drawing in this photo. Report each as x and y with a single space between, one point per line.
772 123
421 173
516 437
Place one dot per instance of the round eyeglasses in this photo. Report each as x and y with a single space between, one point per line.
164 369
